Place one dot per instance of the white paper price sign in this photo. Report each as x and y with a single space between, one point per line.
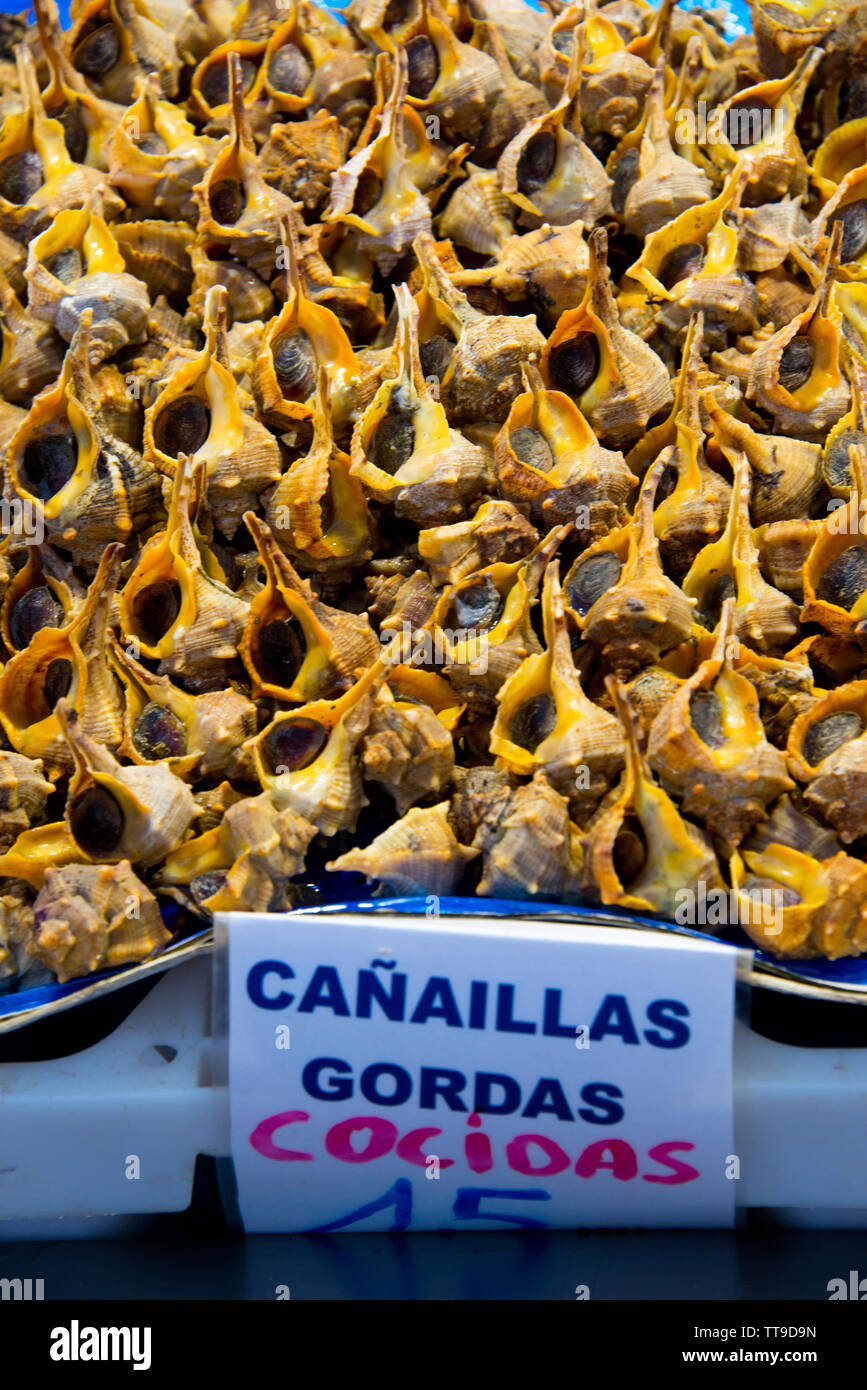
400 1073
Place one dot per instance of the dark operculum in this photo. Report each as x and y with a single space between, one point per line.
591 579
681 263
393 441
182 426
158 733
573 366
49 462
422 65
293 744
36 609
705 712
531 447
294 365
536 163
156 608
21 175
96 821
280 651
477 605
826 735
845 579
289 71
533 722
796 363
97 53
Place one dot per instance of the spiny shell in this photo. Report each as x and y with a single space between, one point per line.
408 751
536 850
245 862
115 812
23 793
93 917
418 854
16 930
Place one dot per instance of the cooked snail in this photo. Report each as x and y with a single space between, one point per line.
439 437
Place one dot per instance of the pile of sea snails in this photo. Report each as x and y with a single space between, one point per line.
434 448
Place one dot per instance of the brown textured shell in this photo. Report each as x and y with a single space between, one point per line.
442 472
418 854
484 372
23 793
764 617
33 353
833 588
546 722
245 862
143 45
497 532
644 613
401 211
478 215
212 727
481 652
407 750
639 851
827 750
63 183
16 929
158 253
117 302
814 908
569 477
517 102
235 178
326 790
240 456
766 233
547 266
153 808
535 850
630 384
84 920
565 182
667 184
722 769
318 509
336 645
30 680
203 636
467 82
786 473
783 550
823 395
299 158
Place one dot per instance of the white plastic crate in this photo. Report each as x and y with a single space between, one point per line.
69 1127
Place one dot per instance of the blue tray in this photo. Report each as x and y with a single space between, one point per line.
844 975
54 997
844 980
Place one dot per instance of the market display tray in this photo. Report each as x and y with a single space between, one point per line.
840 981
23 1006
153 1087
